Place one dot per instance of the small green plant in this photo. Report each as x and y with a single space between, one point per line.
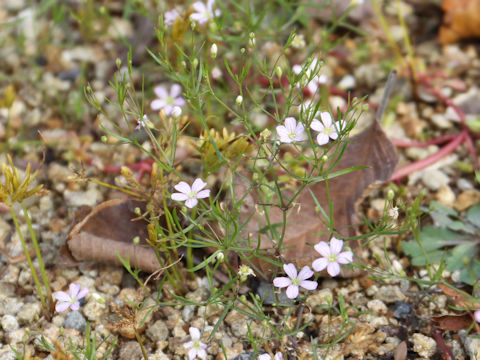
15 190
452 240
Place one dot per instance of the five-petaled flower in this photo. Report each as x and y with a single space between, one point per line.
170 17
197 348
166 100
143 122
291 131
294 280
70 300
278 356
332 256
327 129
190 194
203 13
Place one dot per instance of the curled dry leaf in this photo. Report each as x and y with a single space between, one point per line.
453 322
461 21
370 148
110 229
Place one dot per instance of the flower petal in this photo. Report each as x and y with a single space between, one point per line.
157 104
74 289
183 187
82 293
345 257
320 264
305 273
198 185
190 203
278 356
290 270
62 306
297 69
292 291
168 109
317 125
62 296
160 91
336 246
333 269
175 90
75 306
326 118
179 197
264 357
322 139
322 248
290 124
192 354
203 194
179 101
333 135
202 354
281 282
199 7
309 284
194 333
188 344
476 314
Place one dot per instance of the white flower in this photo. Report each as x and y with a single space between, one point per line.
190 194
170 16
143 122
278 356
176 111
239 100
291 131
166 100
393 212
213 51
311 79
203 13
245 271
326 128
298 41
216 73
332 256
70 300
197 348
293 281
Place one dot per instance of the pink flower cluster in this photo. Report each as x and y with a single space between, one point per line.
332 258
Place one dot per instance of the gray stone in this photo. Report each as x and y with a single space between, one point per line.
472 345
75 320
402 310
9 323
265 291
29 313
188 312
158 331
390 294
245 356
130 351
434 179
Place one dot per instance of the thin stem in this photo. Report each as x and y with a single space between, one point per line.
38 253
386 95
29 260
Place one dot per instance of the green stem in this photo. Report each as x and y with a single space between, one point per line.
38 253
29 260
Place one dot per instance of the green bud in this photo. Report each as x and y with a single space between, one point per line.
136 240
324 158
279 72
390 194
137 211
195 63
118 62
104 139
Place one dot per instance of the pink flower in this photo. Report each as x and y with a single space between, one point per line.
166 100
70 300
476 315
170 17
291 131
278 356
332 256
326 128
190 194
293 281
197 348
203 13
143 122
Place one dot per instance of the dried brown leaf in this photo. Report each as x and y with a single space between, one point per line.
461 21
110 229
453 322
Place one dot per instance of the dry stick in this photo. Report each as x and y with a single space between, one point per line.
386 95
447 353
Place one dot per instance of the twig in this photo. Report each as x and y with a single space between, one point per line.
386 95
447 353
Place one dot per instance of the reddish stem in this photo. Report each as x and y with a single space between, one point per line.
447 353
439 140
429 160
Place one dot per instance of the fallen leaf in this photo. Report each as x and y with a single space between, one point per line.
372 149
401 351
453 322
460 21
108 230
459 299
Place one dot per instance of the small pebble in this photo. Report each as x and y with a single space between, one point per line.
245 356
402 310
434 179
158 331
423 345
9 323
390 294
75 320
265 291
377 306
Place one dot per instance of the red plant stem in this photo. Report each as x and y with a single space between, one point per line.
439 140
429 160
447 353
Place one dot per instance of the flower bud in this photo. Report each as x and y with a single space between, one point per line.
213 51
118 62
104 139
195 63
220 257
390 194
365 107
242 51
265 134
136 240
324 158
176 112
279 72
239 100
